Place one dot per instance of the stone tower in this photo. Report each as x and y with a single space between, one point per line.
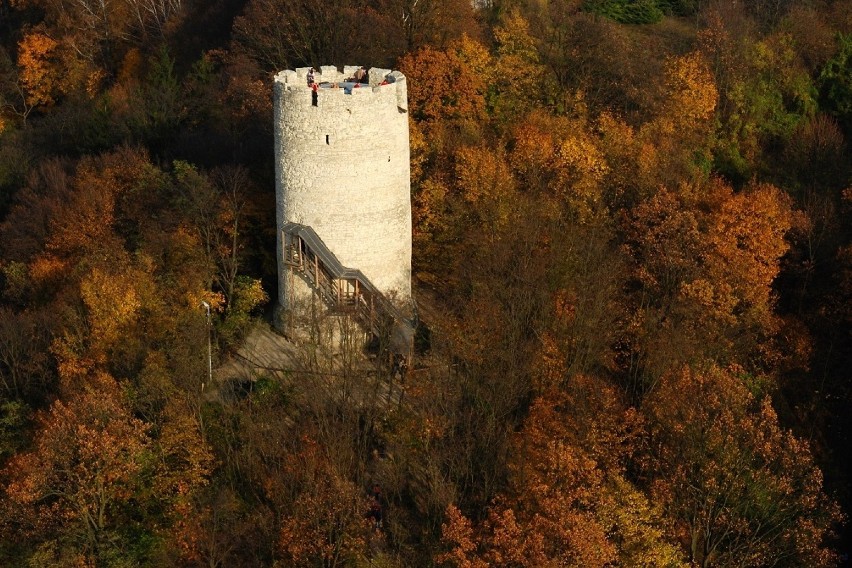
342 169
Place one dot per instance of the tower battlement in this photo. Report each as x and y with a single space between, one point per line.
342 168
379 81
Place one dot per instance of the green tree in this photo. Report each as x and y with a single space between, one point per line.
835 81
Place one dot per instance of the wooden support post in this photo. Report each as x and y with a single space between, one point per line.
316 271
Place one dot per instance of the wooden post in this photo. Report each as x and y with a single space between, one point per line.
316 271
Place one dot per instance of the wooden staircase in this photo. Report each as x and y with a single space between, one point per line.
345 290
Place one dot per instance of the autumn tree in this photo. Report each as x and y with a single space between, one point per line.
681 135
442 87
485 184
565 161
39 74
218 209
705 271
563 507
582 316
326 525
743 489
26 228
25 368
89 221
449 113
522 82
82 472
93 30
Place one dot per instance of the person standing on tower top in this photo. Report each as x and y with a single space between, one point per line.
311 77
361 75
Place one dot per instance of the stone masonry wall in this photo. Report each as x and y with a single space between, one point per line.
342 167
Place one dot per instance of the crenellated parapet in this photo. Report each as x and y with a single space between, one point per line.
331 81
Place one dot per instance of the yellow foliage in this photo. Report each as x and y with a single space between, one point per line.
581 169
514 38
521 80
636 524
249 294
428 211
691 90
486 183
475 57
112 303
481 174
186 459
675 145
216 300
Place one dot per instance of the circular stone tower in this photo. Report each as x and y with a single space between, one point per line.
342 168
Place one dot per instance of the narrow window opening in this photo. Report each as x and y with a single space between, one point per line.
326 139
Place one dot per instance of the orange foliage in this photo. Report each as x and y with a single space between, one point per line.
38 73
563 158
457 532
441 87
562 509
534 147
326 522
86 461
707 264
46 270
549 366
86 224
747 240
743 489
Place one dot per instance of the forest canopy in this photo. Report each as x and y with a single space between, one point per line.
632 258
